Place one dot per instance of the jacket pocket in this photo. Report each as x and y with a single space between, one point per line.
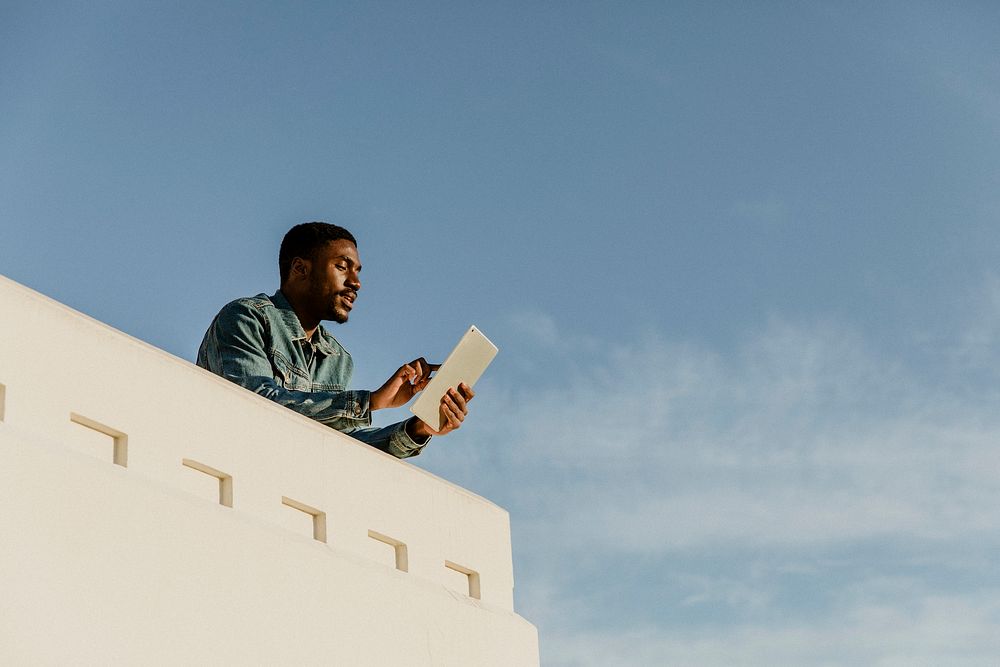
288 374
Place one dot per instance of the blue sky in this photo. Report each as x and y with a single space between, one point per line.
740 259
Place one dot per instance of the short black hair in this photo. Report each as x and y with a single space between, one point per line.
305 239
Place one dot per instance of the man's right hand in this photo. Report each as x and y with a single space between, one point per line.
404 384
454 408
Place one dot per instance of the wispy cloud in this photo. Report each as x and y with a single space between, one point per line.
979 343
916 631
738 486
802 436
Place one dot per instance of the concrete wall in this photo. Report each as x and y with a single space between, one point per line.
153 512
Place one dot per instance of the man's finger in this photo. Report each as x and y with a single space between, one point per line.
449 421
459 401
424 369
467 391
452 405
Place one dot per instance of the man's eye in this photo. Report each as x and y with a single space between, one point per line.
341 267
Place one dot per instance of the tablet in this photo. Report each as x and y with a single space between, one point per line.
465 364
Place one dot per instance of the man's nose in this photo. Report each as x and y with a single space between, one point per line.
354 281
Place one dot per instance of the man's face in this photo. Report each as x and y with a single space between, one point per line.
334 281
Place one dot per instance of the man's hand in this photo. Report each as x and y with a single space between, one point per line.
454 408
403 385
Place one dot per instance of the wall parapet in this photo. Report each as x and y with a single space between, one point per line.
67 378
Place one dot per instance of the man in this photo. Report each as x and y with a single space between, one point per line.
275 346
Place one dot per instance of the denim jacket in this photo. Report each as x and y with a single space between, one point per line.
258 343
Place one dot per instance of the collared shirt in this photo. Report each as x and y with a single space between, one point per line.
258 343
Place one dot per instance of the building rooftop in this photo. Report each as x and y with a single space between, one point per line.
153 512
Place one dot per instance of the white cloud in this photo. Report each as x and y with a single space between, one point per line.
725 591
978 344
653 468
928 630
802 437
537 327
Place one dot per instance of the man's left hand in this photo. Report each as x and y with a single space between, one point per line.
404 384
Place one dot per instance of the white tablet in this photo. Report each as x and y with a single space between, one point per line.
465 364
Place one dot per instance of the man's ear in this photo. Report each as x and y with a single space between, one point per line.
300 268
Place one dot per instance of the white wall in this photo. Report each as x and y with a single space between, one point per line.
140 562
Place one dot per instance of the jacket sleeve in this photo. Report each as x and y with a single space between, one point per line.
235 347
392 439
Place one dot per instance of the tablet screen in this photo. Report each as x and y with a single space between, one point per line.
466 363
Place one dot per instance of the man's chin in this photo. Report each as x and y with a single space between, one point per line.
339 316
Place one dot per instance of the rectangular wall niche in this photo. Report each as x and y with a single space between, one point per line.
119 441
471 575
318 517
402 561
225 480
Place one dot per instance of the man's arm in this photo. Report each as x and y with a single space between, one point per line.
234 348
397 439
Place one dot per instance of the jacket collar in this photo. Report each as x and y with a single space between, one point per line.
322 340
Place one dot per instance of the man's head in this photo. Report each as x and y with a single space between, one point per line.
319 267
